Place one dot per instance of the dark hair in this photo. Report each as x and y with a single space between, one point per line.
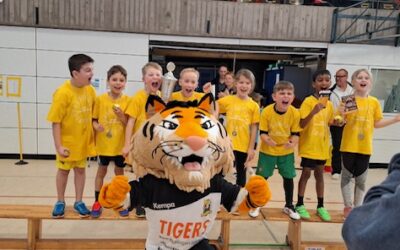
115 69
76 61
320 72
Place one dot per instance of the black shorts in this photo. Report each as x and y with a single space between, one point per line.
118 160
311 163
355 163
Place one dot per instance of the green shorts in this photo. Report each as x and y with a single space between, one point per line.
285 164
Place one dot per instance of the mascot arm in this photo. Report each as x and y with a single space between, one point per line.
258 194
114 195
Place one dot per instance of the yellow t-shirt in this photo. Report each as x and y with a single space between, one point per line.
137 108
72 107
359 129
240 114
279 127
314 138
177 96
111 141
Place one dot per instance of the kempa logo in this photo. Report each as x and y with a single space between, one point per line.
164 205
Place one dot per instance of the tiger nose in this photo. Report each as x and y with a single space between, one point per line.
195 142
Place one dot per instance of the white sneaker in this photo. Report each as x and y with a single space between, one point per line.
254 212
292 213
335 176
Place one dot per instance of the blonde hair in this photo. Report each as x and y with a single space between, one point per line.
189 70
283 85
148 65
358 71
247 74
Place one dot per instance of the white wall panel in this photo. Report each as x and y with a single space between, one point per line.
45 142
20 62
17 37
93 42
42 111
46 88
10 136
59 66
28 90
10 119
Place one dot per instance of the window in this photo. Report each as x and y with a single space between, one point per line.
386 87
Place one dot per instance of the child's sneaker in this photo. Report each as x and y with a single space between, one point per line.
140 212
58 211
302 211
96 210
81 209
323 214
291 212
124 213
254 212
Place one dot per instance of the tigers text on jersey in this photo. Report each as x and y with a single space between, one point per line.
179 219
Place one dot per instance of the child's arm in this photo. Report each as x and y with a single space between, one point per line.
268 140
97 126
386 122
120 115
64 152
253 134
128 134
293 140
318 107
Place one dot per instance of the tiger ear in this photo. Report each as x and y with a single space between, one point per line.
207 103
154 105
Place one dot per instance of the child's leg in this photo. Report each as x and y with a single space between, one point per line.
98 183
287 170
61 183
360 188
119 165
319 184
345 183
240 159
305 175
360 173
79 178
288 186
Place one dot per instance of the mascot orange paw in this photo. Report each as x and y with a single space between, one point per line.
113 195
258 193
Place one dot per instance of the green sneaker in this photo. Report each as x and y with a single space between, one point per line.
302 211
323 214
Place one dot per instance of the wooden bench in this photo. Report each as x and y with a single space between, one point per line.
293 237
35 214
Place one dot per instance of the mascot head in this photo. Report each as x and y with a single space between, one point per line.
182 142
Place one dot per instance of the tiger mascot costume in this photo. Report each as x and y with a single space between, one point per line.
180 156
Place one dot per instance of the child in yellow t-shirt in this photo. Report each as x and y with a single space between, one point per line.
356 146
136 111
71 117
188 80
316 114
279 134
109 122
243 116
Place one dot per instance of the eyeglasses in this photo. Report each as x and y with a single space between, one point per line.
340 76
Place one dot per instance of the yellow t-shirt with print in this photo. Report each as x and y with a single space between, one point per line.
177 96
137 108
359 129
279 127
72 107
314 138
240 114
111 141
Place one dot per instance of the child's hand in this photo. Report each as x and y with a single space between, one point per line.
270 142
98 127
125 151
290 144
63 152
119 113
207 87
318 107
250 154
